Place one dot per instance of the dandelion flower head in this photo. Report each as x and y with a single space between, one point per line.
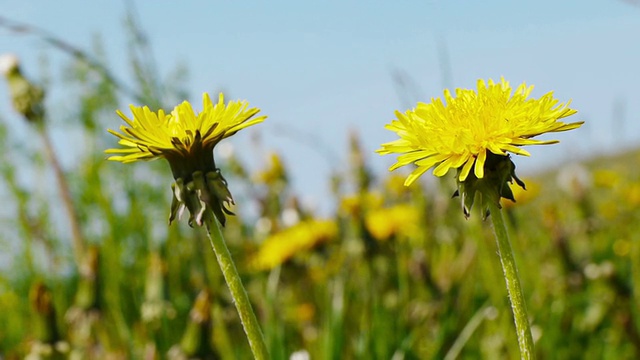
459 132
186 139
181 134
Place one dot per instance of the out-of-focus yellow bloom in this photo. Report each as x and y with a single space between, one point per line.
627 192
632 194
606 178
280 247
357 205
609 209
394 184
401 220
274 172
622 247
302 313
460 133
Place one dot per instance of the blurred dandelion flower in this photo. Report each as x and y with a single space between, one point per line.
606 178
394 185
186 140
356 205
461 132
280 247
275 173
303 312
631 194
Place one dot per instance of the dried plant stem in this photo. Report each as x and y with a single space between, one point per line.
238 293
518 306
67 200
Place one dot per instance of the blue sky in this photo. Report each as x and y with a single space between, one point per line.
325 68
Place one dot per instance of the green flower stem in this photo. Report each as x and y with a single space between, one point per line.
518 306
238 293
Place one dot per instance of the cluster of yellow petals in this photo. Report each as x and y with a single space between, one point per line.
182 132
458 132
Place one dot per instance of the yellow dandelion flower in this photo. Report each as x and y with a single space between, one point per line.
476 129
460 133
186 139
280 247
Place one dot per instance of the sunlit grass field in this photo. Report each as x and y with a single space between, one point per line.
392 272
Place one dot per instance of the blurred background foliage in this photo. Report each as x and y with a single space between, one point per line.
392 273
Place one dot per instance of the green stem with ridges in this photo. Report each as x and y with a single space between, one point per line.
518 306
238 293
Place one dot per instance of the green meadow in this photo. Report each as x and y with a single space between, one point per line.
393 272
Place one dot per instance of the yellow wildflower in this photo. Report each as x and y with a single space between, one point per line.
475 129
186 140
459 134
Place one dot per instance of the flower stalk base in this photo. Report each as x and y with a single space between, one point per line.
238 293
518 306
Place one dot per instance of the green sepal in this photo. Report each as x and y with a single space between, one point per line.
499 172
217 186
202 193
177 206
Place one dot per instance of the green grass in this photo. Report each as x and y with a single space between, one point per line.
432 288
